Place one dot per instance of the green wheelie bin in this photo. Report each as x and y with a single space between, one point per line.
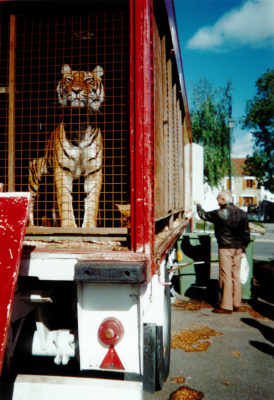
193 249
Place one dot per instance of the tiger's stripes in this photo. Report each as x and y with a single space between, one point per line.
74 148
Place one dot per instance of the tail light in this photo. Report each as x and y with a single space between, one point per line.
110 333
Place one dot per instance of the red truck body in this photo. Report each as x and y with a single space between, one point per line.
146 168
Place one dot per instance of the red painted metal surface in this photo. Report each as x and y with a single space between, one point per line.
132 124
142 121
137 132
142 135
13 222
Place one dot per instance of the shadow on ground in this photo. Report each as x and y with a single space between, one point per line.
266 331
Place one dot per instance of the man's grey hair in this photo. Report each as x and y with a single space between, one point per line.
226 196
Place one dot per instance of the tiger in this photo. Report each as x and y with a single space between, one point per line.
75 147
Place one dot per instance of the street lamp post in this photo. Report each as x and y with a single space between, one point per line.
230 126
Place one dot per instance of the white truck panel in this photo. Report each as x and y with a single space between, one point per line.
37 387
154 297
97 302
49 267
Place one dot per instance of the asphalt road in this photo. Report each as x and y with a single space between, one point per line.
264 244
238 365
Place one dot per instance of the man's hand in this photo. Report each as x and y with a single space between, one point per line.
188 214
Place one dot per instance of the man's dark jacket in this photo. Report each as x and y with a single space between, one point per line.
230 224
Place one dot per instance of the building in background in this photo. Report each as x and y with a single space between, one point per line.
244 188
245 191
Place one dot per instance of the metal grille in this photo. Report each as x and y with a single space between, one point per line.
4 105
44 43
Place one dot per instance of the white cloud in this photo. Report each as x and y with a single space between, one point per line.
242 146
251 24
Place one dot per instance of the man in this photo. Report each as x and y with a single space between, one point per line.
233 235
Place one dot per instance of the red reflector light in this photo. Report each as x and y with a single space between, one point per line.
112 360
111 331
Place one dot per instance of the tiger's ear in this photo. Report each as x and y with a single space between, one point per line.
66 69
98 71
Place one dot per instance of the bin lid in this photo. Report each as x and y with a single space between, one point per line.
195 235
195 238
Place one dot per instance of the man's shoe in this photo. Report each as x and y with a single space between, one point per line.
221 311
236 309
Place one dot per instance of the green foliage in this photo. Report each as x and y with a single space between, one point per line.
204 226
256 165
210 111
260 119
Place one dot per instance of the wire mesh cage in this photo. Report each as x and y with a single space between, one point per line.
4 105
70 113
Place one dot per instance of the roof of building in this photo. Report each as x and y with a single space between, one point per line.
237 164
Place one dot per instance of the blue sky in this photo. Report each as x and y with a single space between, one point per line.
227 40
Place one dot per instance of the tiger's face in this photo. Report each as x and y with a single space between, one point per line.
81 89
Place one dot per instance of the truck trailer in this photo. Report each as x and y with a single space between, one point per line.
95 139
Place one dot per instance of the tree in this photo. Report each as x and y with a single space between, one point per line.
210 111
260 119
255 165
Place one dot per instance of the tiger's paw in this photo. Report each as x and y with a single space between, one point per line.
89 225
68 224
